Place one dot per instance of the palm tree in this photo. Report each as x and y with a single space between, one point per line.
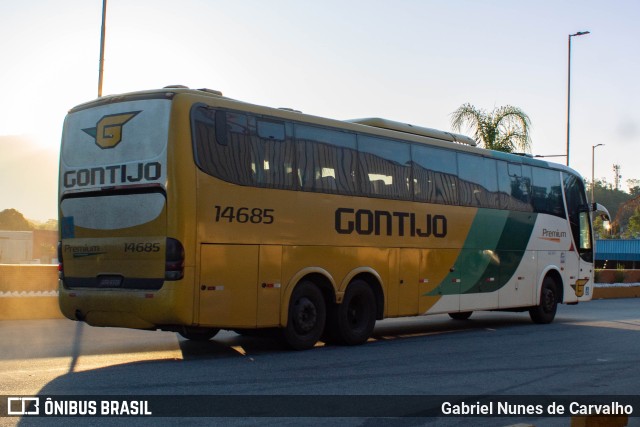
503 129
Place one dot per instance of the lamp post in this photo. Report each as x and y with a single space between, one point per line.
101 66
579 33
593 180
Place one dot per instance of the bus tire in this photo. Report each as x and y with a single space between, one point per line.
306 317
545 312
198 334
353 320
460 315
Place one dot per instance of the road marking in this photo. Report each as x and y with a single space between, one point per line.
629 324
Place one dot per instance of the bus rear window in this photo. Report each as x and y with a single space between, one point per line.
114 211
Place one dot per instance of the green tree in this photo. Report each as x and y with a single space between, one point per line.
634 187
12 220
620 205
505 128
51 224
600 232
633 226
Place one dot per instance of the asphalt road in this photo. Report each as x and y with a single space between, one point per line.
590 349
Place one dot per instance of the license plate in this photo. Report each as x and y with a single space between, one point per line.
110 281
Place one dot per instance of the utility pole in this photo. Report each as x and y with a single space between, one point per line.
617 176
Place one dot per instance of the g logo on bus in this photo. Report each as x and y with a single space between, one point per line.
579 287
108 130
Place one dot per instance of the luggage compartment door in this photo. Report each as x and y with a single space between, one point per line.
228 285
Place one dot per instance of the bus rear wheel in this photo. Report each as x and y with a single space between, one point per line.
352 322
545 312
306 318
198 334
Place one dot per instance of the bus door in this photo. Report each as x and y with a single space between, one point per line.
408 282
579 259
584 245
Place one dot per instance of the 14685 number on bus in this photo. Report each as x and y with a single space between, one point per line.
244 215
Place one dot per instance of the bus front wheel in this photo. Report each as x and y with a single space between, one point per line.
306 319
545 312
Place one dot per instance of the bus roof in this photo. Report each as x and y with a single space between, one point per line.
414 133
415 130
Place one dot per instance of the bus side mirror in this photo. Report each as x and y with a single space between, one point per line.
601 210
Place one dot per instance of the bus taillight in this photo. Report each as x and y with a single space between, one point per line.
60 267
174 261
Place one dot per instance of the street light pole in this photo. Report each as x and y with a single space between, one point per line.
101 66
593 179
579 33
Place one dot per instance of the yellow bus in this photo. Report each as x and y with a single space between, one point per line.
188 211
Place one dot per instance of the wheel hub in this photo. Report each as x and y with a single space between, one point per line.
305 315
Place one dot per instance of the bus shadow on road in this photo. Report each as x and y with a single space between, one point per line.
230 344
441 324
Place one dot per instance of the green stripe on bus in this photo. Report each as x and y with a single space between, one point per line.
507 254
491 253
475 256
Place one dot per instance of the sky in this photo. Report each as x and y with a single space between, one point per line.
414 61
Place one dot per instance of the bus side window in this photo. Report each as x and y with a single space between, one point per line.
237 155
273 154
514 186
221 127
326 159
435 171
385 167
478 181
504 185
222 145
547 192
526 186
520 183
271 130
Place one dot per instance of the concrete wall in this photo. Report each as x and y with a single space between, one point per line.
28 277
29 292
